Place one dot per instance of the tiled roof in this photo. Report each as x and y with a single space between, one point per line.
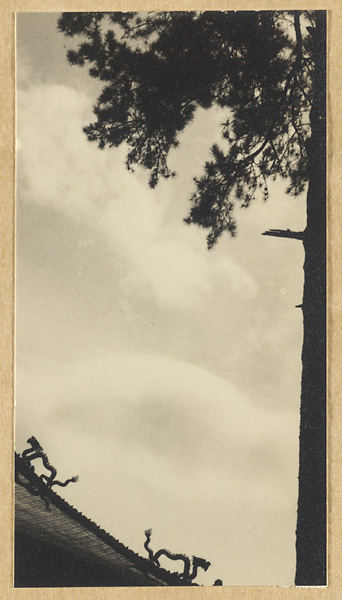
62 526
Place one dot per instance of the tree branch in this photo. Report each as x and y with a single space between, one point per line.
285 233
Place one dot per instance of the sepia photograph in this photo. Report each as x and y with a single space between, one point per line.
170 345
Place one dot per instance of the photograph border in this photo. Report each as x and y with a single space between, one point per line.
7 307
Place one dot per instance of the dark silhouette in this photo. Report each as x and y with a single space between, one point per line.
195 563
268 69
36 451
287 233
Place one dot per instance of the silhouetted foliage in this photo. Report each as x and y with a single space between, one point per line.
158 68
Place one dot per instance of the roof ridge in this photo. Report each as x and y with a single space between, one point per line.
142 564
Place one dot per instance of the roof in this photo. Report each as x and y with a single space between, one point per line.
43 517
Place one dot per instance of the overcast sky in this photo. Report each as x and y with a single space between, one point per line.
166 376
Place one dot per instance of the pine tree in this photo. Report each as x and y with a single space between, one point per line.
268 70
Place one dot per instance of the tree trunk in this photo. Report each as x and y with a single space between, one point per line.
312 513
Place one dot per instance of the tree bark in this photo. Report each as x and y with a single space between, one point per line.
312 513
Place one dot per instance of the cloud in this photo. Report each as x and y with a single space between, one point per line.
238 278
164 443
182 417
61 171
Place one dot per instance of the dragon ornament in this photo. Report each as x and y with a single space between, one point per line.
37 451
191 566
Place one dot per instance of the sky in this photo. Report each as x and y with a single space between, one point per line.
166 376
